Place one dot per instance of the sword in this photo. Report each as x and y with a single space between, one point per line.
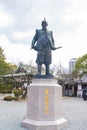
54 48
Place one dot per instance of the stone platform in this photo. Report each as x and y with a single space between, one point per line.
44 105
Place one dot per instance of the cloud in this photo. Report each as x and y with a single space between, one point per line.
22 35
18 52
66 18
4 19
4 42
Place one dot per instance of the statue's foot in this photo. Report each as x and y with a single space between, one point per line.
48 74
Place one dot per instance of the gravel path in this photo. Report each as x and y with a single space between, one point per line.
74 110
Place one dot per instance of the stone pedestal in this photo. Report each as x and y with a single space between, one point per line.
44 105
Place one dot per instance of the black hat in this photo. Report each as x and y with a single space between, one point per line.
44 21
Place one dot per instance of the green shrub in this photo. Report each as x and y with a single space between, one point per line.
10 98
17 92
5 91
5 88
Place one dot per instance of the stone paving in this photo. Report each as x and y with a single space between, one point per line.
75 111
13 112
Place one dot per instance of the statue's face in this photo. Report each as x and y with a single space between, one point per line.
44 25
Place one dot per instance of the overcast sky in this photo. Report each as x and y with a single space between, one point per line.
20 18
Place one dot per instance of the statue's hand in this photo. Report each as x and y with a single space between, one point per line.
35 48
54 49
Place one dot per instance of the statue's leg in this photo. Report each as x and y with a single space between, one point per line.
39 69
47 69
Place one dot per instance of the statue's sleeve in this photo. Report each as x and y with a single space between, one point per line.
34 39
53 42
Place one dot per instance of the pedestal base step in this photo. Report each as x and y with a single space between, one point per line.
43 125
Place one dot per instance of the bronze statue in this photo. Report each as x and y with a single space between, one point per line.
43 43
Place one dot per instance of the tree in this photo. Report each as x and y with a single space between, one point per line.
59 71
2 55
5 68
80 66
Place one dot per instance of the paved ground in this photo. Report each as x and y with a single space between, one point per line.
74 110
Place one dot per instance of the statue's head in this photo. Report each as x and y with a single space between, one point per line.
44 23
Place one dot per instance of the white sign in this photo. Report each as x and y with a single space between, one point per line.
25 85
79 87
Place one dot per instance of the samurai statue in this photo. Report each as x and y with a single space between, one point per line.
43 43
